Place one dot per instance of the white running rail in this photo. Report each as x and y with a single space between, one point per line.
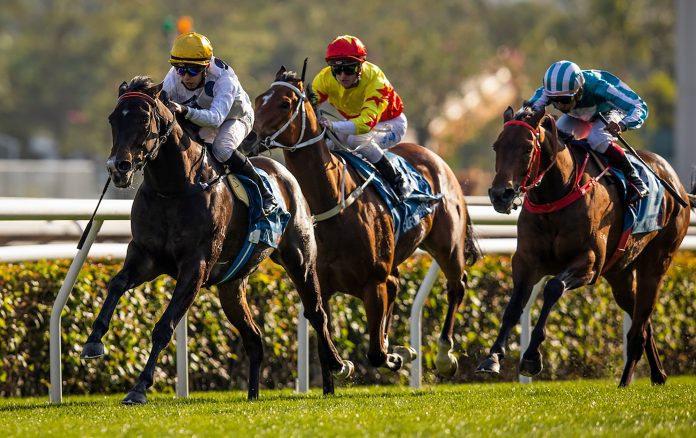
498 234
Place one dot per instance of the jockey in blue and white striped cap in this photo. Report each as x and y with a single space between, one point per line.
581 95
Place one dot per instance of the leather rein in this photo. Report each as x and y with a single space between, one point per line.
577 191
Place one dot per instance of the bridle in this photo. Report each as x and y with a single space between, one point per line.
535 162
270 141
159 120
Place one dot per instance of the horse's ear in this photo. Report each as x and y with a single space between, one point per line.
508 114
280 72
537 116
122 88
156 90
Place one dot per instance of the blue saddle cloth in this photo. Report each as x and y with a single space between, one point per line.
646 214
418 205
265 229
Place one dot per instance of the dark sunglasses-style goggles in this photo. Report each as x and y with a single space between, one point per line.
192 70
349 69
563 100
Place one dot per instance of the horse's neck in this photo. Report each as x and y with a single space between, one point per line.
559 177
319 174
174 169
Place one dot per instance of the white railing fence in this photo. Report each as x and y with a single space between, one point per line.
497 235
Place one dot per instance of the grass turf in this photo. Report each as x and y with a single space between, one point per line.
576 408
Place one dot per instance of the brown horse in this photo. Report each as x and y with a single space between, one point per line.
575 244
187 224
358 254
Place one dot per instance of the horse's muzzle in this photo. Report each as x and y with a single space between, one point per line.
502 198
121 172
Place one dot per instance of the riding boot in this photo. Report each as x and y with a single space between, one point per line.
394 178
617 158
240 164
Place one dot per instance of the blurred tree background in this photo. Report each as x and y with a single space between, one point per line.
457 64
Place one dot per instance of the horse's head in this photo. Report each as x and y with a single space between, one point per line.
282 117
140 123
517 158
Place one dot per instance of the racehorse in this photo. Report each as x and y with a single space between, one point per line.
186 223
358 254
570 228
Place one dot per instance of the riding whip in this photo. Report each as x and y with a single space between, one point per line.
89 224
667 185
304 69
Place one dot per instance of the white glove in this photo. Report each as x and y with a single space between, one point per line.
323 121
177 108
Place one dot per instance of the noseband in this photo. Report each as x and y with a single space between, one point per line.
159 119
270 141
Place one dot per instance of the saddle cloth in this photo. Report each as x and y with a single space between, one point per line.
265 229
646 214
418 205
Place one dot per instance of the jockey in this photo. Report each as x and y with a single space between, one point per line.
373 112
581 95
207 92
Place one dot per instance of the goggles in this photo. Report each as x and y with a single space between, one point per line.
563 100
349 69
192 70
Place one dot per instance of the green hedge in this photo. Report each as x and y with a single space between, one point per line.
584 330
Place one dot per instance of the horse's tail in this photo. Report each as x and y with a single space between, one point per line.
472 250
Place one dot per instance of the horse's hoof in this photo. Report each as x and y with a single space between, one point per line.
345 372
408 354
531 367
135 398
490 365
92 350
447 369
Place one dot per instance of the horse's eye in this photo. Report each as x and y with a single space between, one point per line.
285 104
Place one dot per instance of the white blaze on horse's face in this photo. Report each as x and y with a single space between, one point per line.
266 97
124 112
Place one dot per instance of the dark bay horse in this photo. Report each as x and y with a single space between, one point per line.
358 254
187 224
576 244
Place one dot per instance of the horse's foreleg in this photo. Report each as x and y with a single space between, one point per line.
137 269
376 303
187 287
578 275
234 303
521 291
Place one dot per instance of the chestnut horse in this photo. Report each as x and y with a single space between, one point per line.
357 251
187 224
576 244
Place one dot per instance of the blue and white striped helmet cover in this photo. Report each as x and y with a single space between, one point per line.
563 78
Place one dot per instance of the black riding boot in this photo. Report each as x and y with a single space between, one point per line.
617 158
240 164
393 177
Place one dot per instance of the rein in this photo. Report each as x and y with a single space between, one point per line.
161 139
270 141
576 193
151 155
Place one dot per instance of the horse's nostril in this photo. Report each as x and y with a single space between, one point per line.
124 166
